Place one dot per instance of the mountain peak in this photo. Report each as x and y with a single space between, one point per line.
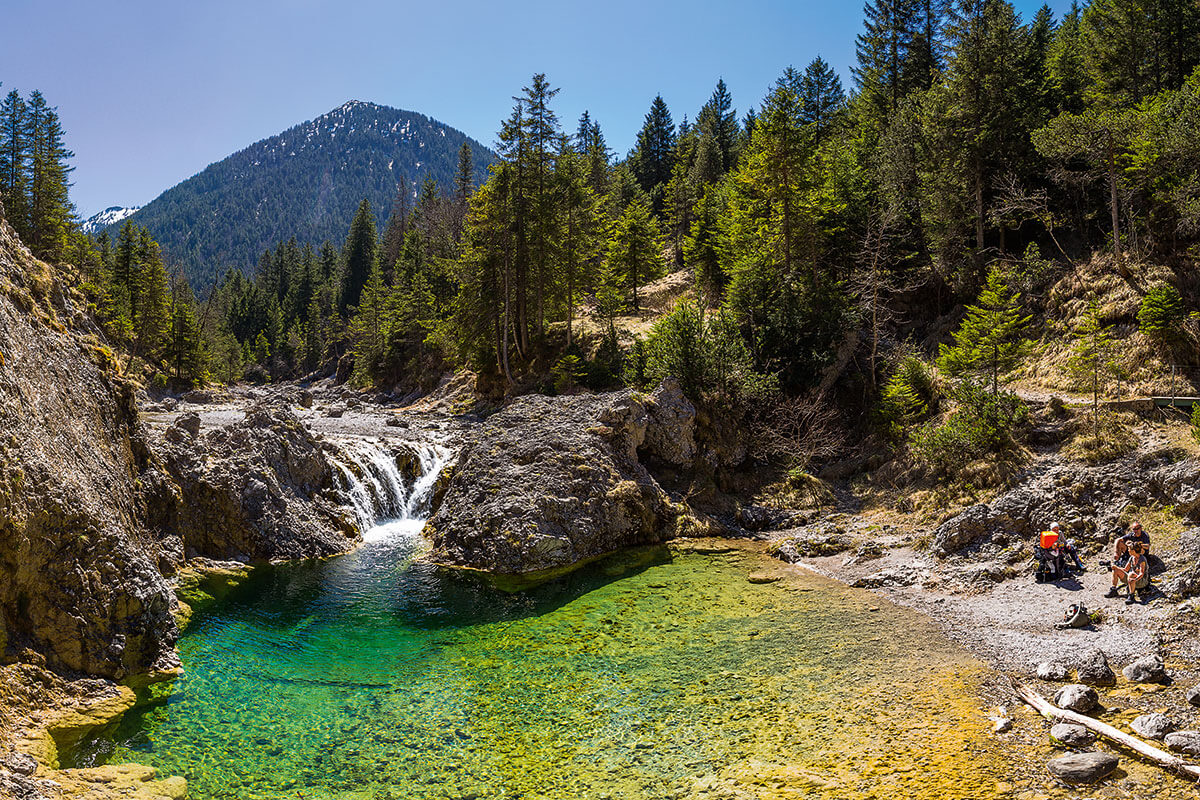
306 182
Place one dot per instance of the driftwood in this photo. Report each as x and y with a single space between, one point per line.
1053 712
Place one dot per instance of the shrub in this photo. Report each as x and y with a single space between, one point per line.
981 424
1161 314
911 393
1196 422
568 372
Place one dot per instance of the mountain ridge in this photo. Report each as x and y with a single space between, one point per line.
305 182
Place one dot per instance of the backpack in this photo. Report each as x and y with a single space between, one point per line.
1076 616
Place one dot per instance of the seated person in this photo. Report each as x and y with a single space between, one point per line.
1135 573
1136 534
1066 546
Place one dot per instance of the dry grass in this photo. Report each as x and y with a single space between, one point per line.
1114 435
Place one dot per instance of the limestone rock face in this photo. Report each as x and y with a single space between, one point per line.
1087 500
548 482
258 490
77 573
671 425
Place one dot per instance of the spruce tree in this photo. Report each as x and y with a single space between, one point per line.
633 250
14 162
652 158
359 254
989 341
821 96
1093 357
49 207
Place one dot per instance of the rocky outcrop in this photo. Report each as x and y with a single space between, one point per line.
259 490
1087 501
549 482
77 574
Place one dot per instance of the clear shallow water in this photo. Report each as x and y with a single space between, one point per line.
644 676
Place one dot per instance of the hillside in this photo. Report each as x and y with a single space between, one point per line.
304 183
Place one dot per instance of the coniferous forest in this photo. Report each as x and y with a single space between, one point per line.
832 234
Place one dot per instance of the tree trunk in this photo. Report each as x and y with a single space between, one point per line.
1052 712
1112 201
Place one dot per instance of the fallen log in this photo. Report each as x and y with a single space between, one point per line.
1148 751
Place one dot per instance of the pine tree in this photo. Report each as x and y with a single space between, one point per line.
370 328
14 162
718 119
1093 357
359 255
989 341
153 319
652 158
396 227
49 207
1065 66
184 349
633 252
464 182
821 96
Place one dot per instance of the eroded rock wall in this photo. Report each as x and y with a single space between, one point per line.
77 577
549 482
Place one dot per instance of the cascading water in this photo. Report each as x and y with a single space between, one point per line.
375 488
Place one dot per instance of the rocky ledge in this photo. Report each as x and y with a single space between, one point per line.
549 482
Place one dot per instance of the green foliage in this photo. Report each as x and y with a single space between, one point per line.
1195 420
568 373
705 352
989 340
1161 313
911 392
981 424
1093 357
633 249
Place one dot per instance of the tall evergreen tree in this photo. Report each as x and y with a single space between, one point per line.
821 96
49 206
359 254
718 119
989 341
14 162
633 253
653 156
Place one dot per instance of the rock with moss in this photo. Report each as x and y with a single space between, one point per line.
78 581
550 482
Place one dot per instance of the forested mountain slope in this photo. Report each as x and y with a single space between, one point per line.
304 183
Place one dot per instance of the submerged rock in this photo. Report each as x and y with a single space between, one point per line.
1083 767
548 482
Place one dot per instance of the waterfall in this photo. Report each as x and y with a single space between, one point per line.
378 492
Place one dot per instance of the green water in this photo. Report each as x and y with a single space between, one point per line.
645 676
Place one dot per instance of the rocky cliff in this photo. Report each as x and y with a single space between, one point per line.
549 482
77 575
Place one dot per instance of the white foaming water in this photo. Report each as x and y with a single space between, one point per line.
383 504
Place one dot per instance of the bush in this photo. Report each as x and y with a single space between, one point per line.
1196 422
911 393
981 425
706 352
1161 314
568 372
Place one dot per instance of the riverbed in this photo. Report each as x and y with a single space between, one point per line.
651 674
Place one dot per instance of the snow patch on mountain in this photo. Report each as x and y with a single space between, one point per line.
109 216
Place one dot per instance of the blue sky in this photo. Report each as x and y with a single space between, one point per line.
152 92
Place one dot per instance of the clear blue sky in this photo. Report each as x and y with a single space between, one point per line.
152 92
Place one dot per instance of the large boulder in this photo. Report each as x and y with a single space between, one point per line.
1077 697
670 428
548 482
261 489
77 573
1152 726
